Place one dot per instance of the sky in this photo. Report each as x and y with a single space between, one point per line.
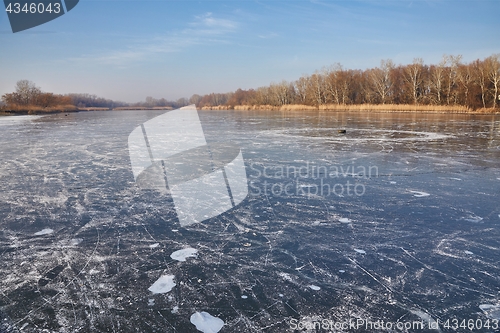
128 50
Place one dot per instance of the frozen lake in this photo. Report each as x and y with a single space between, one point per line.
398 219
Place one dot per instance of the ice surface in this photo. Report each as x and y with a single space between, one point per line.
182 255
419 194
360 251
313 287
163 285
73 175
206 323
42 232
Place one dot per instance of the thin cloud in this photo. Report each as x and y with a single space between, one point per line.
204 29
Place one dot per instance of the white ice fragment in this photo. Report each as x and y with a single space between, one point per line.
285 276
75 241
181 255
175 230
151 301
419 194
360 251
345 220
468 252
155 245
498 178
163 285
206 323
491 311
341 271
473 219
44 232
175 309
453 178
392 182
313 287
281 295
244 296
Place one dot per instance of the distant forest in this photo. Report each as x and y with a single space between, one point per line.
450 83
473 85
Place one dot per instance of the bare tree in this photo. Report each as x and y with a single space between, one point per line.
27 92
493 68
381 79
437 79
413 76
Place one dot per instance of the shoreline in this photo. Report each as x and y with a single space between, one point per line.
379 108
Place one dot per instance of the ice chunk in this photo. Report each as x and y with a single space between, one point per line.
175 309
244 296
344 220
468 252
44 232
75 241
151 301
360 251
491 311
313 287
341 271
155 245
474 219
163 285
181 255
419 194
206 323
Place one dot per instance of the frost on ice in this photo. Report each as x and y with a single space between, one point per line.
206 323
163 285
182 255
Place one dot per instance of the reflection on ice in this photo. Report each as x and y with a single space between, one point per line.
163 285
206 323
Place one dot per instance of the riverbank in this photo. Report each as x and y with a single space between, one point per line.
360 107
33 109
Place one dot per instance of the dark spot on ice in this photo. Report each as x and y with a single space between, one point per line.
50 275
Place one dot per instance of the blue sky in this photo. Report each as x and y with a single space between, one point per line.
127 50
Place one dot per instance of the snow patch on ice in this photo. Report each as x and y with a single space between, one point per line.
360 251
244 296
313 287
44 232
419 194
155 245
345 220
182 255
468 252
163 285
206 323
341 271
175 309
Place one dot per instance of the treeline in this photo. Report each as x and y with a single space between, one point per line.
28 94
451 82
151 102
